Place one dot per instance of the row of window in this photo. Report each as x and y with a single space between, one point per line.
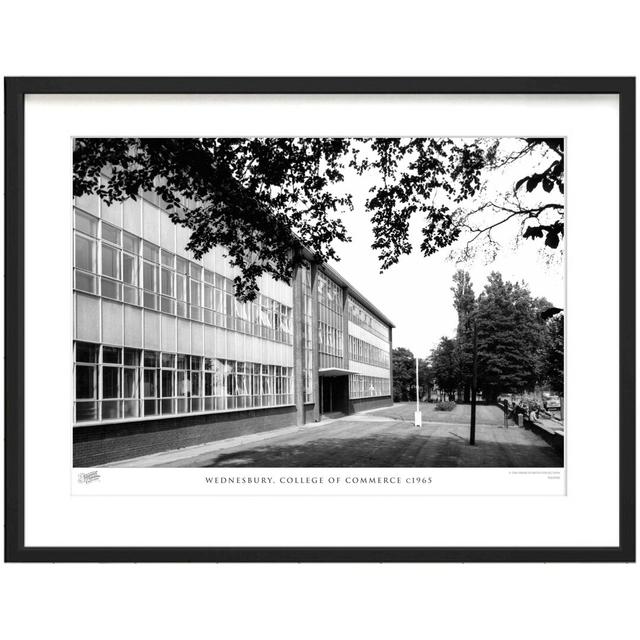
91 203
360 316
330 294
307 311
115 264
116 383
367 386
330 340
362 351
330 323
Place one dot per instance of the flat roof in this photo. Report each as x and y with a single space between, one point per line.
365 302
332 372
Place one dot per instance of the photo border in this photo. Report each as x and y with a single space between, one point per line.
15 91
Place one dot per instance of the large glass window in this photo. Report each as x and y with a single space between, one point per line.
150 252
184 383
195 312
151 381
85 253
149 272
131 405
141 273
307 328
196 383
106 382
368 387
111 234
86 381
120 383
330 325
130 269
131 243
86 352
110 261
363 318
115 383
168 259
85 263
86 223
130 278
150 285
168 383
167 282
362 351
110 392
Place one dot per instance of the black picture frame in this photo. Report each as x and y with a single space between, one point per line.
15 91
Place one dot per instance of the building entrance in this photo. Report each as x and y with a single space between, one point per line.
334 396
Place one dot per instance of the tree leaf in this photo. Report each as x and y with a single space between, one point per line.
552 240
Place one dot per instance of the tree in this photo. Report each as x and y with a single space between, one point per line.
445 365
553 354
404 375
533 202
464 302
520 342
510 337
448 183
263 199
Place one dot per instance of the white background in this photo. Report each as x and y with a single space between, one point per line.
55 518
398 38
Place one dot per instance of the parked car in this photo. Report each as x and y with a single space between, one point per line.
552 403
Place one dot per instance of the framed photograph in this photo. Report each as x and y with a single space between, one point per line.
320 319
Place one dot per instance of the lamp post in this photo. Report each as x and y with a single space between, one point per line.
474 384
474 375
417 416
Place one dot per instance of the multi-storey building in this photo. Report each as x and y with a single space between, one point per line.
165 356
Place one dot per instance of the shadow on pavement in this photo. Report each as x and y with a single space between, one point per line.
388 450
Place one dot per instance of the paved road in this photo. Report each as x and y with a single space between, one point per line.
387 438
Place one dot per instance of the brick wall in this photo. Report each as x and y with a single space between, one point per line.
309 412
364 404
101 444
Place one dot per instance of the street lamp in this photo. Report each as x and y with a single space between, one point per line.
474 384
417 416
474 375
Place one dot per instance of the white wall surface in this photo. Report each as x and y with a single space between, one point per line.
360 332
119 324
368 369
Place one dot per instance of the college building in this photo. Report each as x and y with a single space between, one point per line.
166 357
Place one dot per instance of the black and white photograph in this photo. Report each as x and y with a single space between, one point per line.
320 320
318 302
360 312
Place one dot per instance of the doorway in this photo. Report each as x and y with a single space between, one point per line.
334 396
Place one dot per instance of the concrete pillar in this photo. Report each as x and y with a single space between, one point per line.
345 328
345 344
315 319
391 363
298 347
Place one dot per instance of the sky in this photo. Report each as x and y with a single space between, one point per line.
415 294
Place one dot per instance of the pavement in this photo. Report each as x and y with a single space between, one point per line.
550 425
379 438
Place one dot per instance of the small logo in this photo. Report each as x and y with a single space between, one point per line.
90 476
